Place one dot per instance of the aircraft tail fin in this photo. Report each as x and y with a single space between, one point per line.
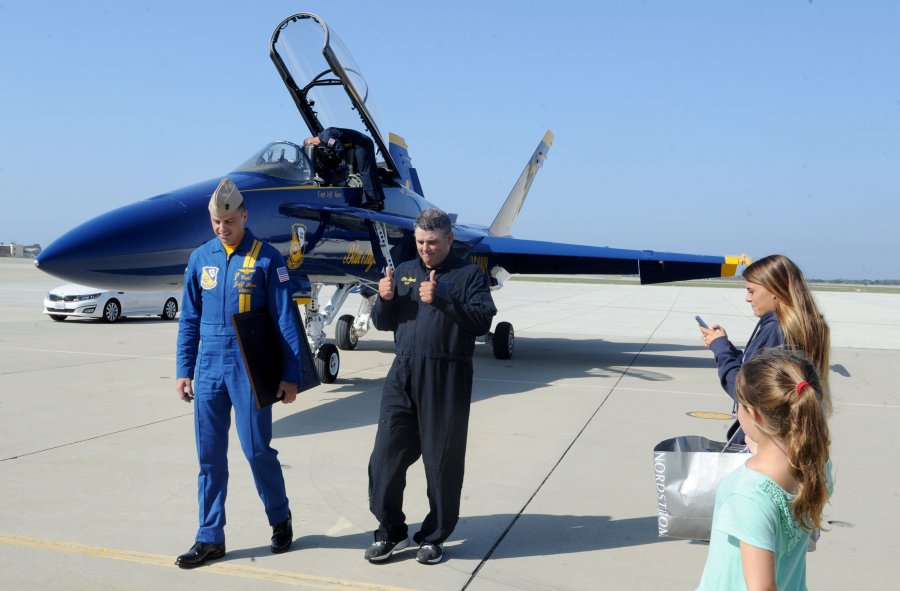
400 154
507 215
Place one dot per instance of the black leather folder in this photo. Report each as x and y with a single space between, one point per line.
260 344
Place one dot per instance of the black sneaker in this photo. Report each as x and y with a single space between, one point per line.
430 553
382 549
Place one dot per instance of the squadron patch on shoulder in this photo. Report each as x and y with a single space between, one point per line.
331 142
407 280
210 277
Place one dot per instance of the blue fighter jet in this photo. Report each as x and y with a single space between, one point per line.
307 204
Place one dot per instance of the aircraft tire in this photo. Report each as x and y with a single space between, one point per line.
504 341
112 311
328 363
170 309
345 334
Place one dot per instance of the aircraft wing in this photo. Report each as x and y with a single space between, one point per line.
533 257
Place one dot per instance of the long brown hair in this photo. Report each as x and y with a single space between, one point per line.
802 324
772 383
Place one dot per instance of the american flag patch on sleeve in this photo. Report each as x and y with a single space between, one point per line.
283 274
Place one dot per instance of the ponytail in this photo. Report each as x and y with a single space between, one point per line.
807 451
785 389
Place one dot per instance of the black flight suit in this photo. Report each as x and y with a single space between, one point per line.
427 393
337 139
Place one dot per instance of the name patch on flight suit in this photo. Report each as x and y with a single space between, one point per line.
407 280
243 280
209 278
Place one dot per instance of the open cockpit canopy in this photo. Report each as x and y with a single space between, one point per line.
326 84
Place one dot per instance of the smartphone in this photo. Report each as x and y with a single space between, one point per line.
700 322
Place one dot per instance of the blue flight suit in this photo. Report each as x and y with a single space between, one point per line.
427 393
216 287
335 138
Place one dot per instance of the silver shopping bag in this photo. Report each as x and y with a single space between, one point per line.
687 471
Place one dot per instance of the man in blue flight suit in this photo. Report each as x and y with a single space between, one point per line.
436 305
234 272
337 140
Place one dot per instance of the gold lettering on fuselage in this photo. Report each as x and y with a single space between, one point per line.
356 256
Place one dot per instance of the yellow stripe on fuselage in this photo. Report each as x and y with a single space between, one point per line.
287 188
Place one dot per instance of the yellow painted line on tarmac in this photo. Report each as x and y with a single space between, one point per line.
716 416
218 567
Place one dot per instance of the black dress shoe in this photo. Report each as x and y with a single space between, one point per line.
282 536
199 554
374 205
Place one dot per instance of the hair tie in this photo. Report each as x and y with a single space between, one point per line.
802 385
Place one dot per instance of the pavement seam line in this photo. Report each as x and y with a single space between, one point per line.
515 519
93 354
102 435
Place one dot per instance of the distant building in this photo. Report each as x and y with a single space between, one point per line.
16 250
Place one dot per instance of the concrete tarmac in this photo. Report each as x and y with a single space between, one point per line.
98 467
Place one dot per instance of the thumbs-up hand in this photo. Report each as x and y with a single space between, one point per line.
428 288
386 284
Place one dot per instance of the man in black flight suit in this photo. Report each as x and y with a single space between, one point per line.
436 305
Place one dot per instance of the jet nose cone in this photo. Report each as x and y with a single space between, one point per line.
145 245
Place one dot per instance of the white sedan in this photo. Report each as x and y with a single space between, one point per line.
79 301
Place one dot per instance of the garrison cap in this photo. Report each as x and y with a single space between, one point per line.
225 199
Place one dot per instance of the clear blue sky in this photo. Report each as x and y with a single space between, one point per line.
714 127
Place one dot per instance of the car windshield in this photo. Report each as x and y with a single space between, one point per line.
284 160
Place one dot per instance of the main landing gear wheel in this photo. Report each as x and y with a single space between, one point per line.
328 363
503 340
345 334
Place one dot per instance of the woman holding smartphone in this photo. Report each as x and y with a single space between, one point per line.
788 316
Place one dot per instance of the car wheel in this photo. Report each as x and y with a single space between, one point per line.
112 311
170 309
58 317
345 334
328 363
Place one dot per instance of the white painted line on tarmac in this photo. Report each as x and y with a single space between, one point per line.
92 353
